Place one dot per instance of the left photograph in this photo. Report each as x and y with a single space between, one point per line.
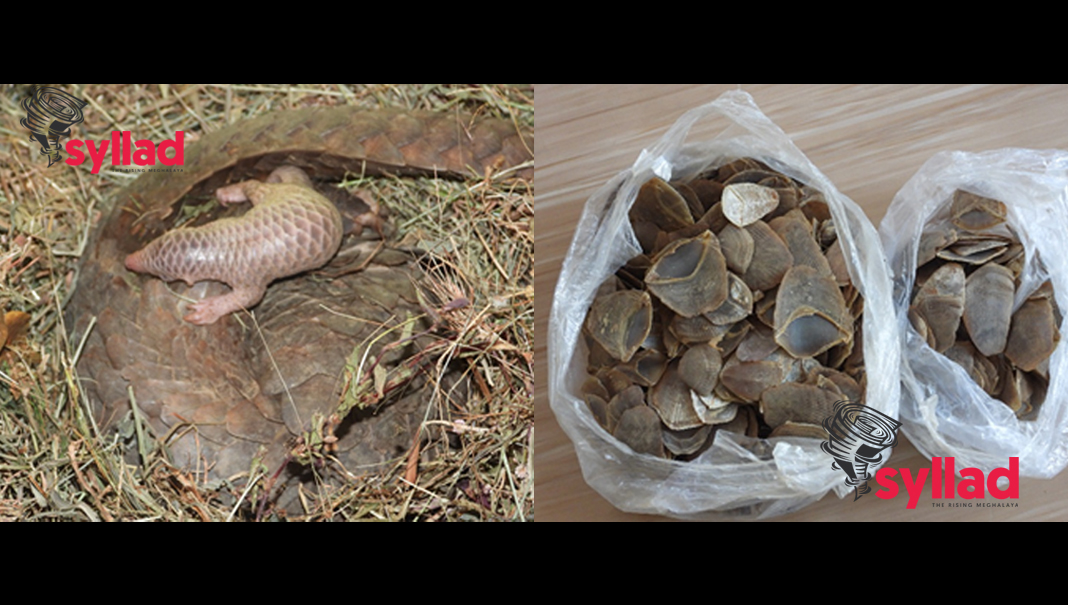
266 302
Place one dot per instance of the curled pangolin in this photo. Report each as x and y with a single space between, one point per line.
223 393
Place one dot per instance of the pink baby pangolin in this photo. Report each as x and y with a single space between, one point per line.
290 228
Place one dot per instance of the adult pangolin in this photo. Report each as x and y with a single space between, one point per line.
239 387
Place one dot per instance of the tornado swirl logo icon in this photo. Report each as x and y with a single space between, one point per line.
857 436
50 112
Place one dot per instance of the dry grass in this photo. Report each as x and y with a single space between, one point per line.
54 463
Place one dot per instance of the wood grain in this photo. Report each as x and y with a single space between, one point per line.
868 139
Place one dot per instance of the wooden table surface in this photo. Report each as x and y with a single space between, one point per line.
867 139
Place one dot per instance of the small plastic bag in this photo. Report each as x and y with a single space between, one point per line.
743 475
943 411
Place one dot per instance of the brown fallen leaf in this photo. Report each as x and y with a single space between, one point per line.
16 322
13 327
411 470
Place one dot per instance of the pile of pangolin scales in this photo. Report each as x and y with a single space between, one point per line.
970 305
739 315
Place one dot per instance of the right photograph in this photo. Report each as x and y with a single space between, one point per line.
800 302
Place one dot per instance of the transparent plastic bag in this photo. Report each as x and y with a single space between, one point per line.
759 477
943 411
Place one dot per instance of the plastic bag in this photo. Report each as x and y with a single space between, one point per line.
763 477
944 412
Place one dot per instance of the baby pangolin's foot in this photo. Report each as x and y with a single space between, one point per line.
209 310
231 194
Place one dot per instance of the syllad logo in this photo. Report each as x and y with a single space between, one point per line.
857 436
50 112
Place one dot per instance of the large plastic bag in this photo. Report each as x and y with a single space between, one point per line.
739 474
944 412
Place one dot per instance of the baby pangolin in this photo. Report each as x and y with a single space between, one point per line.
289 229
